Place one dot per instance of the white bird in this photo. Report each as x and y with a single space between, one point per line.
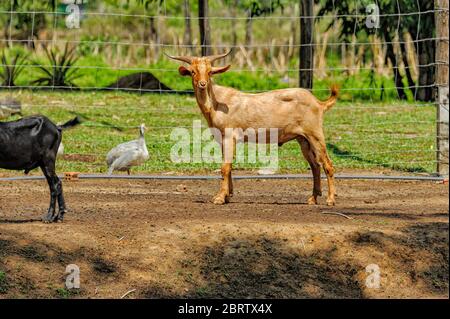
125 155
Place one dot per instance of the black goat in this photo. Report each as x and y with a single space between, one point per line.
33 142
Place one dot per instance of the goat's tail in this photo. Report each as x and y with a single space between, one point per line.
328 103
71 123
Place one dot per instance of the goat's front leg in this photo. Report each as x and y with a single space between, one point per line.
224 194
226 187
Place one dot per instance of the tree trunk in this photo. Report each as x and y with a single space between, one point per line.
152 29
306 53
233 27
8 26
154 37
293 36
425 55
442 93
398 79
157 32
411 83
187 39
205 36
248 31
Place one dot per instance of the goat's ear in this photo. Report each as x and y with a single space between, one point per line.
219 69
184 71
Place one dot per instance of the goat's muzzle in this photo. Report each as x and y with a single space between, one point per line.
202 85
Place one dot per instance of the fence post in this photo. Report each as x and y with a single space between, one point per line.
205 36
441 18
306 52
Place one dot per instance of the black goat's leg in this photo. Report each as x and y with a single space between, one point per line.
61 202
57 186
49 175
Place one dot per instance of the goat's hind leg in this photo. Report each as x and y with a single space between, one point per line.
318 146
49 175
315 168
329 171
51 163
61 201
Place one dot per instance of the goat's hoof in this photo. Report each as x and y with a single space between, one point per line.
47 220
220 199
61 214
312 201
331 202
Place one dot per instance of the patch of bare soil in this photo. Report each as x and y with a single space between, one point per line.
267 243
80 158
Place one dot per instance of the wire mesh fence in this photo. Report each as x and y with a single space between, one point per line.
104 61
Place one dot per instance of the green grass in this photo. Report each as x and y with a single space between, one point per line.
4 286
394 135
63 293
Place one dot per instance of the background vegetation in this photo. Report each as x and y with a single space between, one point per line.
118 37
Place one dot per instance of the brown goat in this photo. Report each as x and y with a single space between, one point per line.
295 112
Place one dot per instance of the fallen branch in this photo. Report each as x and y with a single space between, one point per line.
127 293
339 214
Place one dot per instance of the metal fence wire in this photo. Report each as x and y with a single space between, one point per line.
104 61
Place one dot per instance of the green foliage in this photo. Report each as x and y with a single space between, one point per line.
102 61
60 73
25 20
94 72
13 67
391 23
23 5
250 81
257 8
353 16
63 293
4 286
363 86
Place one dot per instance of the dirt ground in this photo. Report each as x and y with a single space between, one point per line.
161 239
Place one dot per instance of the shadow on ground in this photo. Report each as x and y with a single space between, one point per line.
347 154
262 267
30 278
244 266
421 251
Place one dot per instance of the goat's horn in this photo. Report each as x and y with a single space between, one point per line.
213 58
187 59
